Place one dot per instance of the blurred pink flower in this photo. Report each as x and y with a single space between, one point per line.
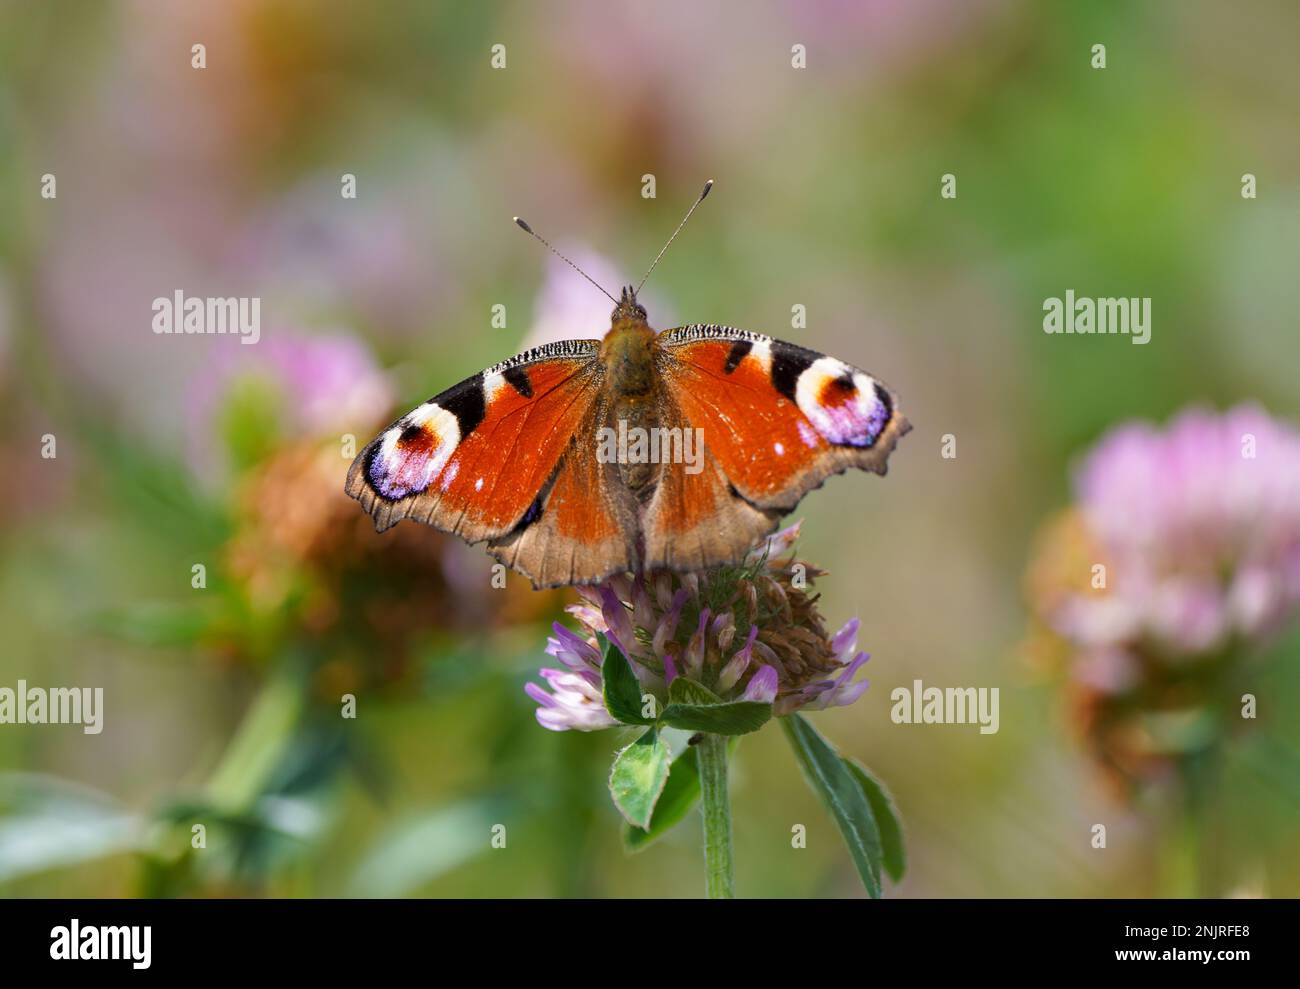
570 308
375 256
327 385
1200 523
863 37
1197 527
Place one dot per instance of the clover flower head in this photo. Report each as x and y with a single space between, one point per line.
747 632
1198 527
1180 556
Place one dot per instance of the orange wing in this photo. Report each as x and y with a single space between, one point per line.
695 519
472 460
776 421
584 526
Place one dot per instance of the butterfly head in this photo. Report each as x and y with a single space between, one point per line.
628 309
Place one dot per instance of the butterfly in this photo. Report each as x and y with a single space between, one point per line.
531 455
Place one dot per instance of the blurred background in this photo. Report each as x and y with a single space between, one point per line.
222 700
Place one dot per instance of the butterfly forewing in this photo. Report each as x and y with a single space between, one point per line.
779 418
474 459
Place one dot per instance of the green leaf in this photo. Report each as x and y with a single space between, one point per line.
731 718
883 810
622 690
421 848
680 794
638 777
48 823
675 802
260 743
831 779
684 690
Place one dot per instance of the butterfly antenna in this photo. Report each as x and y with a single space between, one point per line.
527 229
707 186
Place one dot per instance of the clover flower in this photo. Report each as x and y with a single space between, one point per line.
1202 523
717 654
750 632
1180 557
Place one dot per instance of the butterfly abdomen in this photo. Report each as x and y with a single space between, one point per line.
631 393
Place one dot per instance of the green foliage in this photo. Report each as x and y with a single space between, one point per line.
687 692
638 776
893 856
420 847
679 795
48 823
731 718
832 780
622 690
250 422
693 707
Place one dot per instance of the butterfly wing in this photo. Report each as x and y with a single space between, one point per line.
776 421
694 518
583 527
492 459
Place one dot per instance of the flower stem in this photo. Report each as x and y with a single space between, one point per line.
1186 873
719 874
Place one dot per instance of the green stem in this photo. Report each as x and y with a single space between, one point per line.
1196 782
1186 873
258 745
1180 862
719 874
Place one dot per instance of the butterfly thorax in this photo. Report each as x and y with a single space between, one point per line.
627 351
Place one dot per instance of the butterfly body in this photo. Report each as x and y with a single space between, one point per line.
517 456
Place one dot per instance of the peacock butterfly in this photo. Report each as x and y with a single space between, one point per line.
532 455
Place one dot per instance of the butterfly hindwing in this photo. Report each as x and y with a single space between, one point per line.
695 518
476 459
584 524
